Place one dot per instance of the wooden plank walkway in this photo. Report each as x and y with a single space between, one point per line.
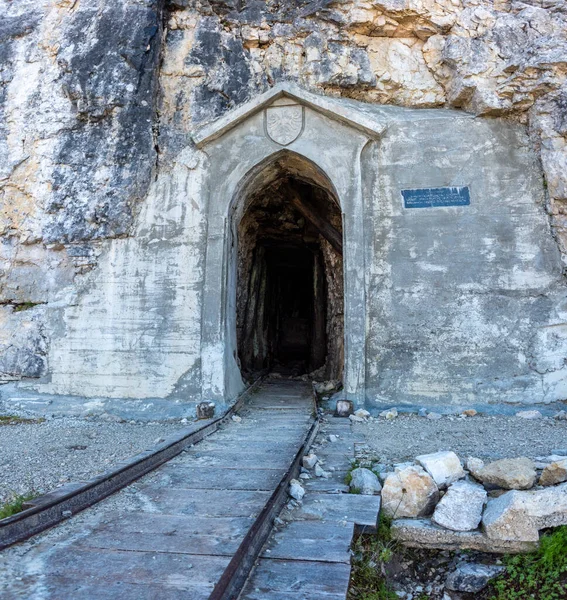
308 557
171 534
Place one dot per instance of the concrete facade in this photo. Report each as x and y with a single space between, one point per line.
443 305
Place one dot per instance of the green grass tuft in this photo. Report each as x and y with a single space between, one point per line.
15 505
15 420
370 554
540 575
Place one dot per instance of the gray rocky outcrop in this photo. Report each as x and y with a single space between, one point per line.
96 98
461 507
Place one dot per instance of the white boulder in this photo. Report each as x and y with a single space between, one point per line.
309 460
460 509
364 481
409 492
529 414
519 515
445 467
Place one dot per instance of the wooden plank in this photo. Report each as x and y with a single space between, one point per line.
310 212
297 580
150 532
244 445
218 478
61 588
145 568
311 540
204 503
244 460
352 508
334 485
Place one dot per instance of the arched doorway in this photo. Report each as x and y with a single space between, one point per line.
334 143
289 273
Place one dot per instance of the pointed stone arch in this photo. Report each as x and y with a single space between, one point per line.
329 143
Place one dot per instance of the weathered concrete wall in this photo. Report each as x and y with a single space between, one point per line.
460 297
133 328
97 98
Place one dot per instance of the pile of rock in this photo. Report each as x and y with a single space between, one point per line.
438 503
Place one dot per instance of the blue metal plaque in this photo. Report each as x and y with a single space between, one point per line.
432 197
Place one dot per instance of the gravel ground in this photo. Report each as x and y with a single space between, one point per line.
487 437
41 456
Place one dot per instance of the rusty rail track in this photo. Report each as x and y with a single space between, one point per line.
57 506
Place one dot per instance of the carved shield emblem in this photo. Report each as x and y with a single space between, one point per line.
284 124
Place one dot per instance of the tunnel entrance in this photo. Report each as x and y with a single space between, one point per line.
289 298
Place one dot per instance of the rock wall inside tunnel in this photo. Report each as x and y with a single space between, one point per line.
290 292
103 218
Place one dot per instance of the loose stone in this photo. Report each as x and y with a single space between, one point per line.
344 408
236 419
509 473
554 473
433 416
364 481
356 419
519 515
529 414
409 492
460 509
445 467
362 413
470 412
474 465
296 490
333 438
205 410
389 414
309 460
320 472
472 577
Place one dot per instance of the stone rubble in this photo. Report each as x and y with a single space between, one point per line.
520 515
389 414
509 473
309 460
492 517
205 410
364 481
554 473
471 577
529 414
296 490
409 492
444 467
461 507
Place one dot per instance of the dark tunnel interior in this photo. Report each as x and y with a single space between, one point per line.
290 281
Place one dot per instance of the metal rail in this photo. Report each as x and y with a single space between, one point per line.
53 508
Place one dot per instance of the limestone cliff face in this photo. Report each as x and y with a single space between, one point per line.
97 96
